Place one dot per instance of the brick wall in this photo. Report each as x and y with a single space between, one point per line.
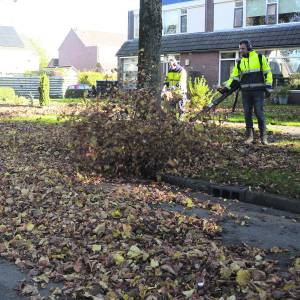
206 64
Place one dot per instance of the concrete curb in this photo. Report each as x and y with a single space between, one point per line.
236 192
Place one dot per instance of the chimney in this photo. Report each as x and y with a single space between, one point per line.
209 15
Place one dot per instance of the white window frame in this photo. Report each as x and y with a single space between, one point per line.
243 12
183 15
178 21
178 6
272 2
136 20
225 59
123 58
267 2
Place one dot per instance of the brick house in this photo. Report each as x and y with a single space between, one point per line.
204 35
90 50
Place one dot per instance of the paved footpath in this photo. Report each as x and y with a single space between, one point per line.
264 228
291 130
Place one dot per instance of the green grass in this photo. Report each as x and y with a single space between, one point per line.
283 182
42 119
276 114
270 118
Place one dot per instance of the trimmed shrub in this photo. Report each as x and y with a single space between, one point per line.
44 90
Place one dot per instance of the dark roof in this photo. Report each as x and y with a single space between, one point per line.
54 62
9 37
283 35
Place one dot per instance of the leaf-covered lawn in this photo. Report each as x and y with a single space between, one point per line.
274 168
276 114
103 238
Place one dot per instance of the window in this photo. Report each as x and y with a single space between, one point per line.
136 25
175 21
238 14
256 11
271 15
285 62
227 61
260 12
130 69
183 21
289 11
171 20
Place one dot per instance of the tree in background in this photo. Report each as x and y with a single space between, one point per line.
44 89
149 77
40 51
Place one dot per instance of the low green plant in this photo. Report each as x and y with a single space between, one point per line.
281 90
200 95
8 96
7 93
295 80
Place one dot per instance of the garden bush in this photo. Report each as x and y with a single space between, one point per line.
199 94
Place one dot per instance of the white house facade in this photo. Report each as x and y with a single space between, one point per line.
204 35
15 58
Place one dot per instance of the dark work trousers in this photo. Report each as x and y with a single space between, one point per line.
254 100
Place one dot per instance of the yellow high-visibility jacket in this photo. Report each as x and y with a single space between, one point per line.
250 74
177 79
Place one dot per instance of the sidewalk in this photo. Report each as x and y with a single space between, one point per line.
291 130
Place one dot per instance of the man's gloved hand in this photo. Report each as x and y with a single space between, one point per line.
269 90
223 90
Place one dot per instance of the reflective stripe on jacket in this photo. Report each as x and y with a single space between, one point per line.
173 78
177 79
251 76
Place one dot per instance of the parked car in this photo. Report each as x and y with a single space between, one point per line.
80 90
79 86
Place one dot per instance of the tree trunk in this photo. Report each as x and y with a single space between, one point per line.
149 76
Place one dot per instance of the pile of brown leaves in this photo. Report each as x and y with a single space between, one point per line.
105 240
116 143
